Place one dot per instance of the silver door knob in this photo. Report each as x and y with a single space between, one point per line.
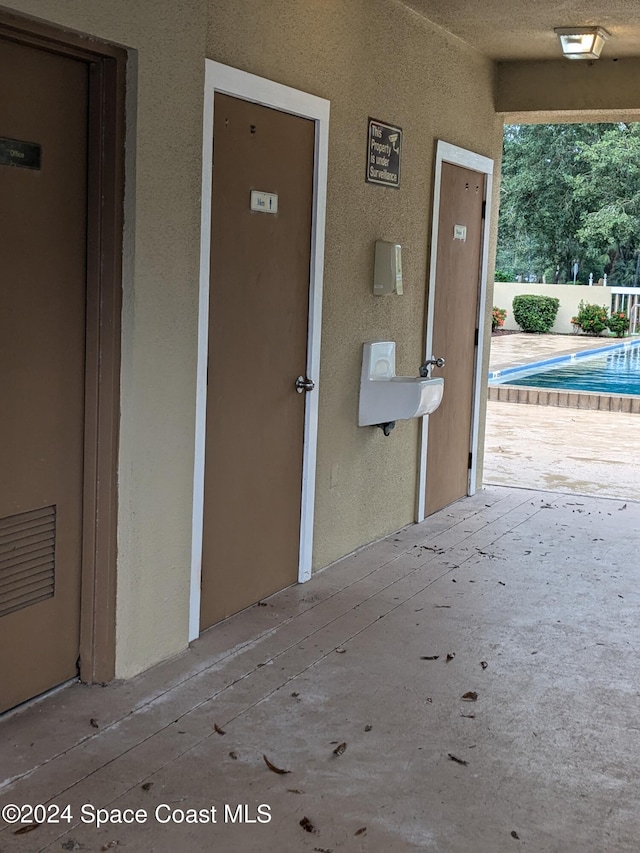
304 384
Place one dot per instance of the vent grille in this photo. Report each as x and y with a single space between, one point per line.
27 558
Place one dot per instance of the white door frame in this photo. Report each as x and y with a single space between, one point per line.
447 153
240 84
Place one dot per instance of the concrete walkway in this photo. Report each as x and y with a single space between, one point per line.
468 684
576 451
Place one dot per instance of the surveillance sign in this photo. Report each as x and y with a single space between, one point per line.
384 151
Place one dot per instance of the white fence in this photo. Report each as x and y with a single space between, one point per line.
570 295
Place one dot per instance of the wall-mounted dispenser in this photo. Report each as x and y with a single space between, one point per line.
387 269
385 397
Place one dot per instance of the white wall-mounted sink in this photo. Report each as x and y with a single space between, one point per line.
385 397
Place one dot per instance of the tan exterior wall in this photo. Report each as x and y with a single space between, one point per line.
607 86
569 295
160 287
370 58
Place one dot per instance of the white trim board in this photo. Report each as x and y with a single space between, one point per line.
447 153
240 84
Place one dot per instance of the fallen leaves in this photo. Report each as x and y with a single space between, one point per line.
514 834
450 656
233 755
273 767
341 651
93 722
429 657
484 664
457 760
29 827
147 786
340 749
217 728
360 831
469 696
368 728
306 824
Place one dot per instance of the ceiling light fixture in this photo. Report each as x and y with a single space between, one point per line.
581 42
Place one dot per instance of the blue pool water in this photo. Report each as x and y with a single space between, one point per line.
616 371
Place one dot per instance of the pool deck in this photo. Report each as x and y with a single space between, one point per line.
587 452
519 350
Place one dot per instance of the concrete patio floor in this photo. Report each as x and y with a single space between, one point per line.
355 683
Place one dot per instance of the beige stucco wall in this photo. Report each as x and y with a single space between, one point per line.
609 86
569 295
160 286
370 58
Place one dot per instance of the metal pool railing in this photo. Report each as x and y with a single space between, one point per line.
627 299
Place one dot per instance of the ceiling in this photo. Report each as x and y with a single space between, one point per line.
515 29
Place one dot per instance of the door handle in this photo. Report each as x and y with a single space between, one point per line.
304 384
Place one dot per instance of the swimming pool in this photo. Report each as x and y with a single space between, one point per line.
613 369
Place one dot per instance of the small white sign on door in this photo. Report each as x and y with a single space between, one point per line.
264 202
459 232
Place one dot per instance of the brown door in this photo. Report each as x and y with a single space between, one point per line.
259 303
43 102
454 333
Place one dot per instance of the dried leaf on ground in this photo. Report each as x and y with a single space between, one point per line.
323 849
340 651
502 583
429 657
514 834
218 729
450 656
429 700
273 767
295 695
457 760
368 728
109 845
624 506
340 749
233 755
360 831
29 827
295 791
443 606
306 824
469 716
484 664
147 786
261 604
469 696
94 723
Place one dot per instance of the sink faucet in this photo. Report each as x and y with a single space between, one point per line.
435 362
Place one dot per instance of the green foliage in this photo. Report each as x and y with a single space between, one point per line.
618 323
535 313
498 316
571 192
500 275
591 319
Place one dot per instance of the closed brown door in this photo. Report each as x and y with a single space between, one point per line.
454 333
43 203
258 316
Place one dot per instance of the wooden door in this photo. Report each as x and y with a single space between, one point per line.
258 317
43 210
455 333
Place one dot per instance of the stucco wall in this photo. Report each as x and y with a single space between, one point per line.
569 295
164 141
370 58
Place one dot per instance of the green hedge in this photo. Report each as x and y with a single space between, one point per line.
535 313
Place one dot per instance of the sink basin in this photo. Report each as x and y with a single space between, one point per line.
385 397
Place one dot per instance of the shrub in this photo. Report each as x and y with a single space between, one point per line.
501 275
592 319
618 323
498 317
535 313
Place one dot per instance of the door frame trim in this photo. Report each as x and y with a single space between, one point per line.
107 65
249 87
448 153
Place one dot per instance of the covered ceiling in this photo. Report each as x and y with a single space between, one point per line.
515 29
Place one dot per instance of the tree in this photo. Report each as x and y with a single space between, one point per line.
539 213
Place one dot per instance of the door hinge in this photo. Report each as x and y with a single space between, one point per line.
470 460
484 209
475 337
